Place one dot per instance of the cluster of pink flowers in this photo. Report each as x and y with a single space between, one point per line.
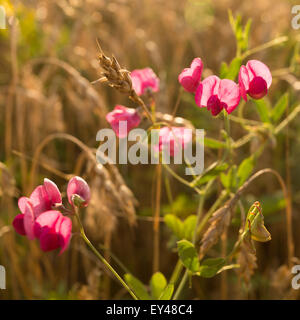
144 81
40 217
213 93
217 94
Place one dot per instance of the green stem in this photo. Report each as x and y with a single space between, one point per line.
176 273
199 213
102 259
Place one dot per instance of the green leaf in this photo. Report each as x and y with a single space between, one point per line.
280 107
241 34
210 174
262 109
245 169
210 267
167 293
189 226
214 144
223 70
229 180
175 224
137 286
188 255
158 283
234 68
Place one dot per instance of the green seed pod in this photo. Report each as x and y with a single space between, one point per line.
255 224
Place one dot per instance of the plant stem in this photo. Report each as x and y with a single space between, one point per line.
102 259
156 220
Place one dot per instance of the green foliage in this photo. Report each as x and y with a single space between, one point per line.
181 229
244 170
241 33
158 283
263 109
280 107
231 71
188 255
210 267
167 293
214 144
159 287
210 174
229 180
182 205
137 286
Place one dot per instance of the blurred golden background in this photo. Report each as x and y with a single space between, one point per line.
50 112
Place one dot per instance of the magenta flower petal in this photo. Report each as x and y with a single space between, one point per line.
259 69
52 191
229 94
53 230
216 94
214 105
189 78
46 220
22 203
18 224
49 240
143 80
254 79
244 82
65 233
40 200
121 113
29 221
208 87
78 186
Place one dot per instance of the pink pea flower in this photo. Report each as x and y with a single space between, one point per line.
216 94
254 79
143 80
175 137
77 187
43 198
189 78
53 230
121 113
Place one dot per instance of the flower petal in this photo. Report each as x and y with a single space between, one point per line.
65 233
46 220
259 69
244 82
229 94
29 221
52 191
18 224
208 87
78 186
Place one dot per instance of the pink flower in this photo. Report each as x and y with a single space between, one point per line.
121 113
43 198
38 220
53 230
77 187
216 94
143 80
175 137
254 79
189 78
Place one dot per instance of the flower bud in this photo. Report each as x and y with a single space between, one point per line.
78 192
